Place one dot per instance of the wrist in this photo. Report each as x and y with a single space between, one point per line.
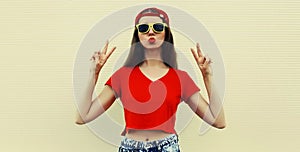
206 74
94 73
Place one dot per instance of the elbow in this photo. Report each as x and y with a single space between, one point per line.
82 121
220 122
219 125
78 122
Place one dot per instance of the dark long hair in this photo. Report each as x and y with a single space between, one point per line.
136 54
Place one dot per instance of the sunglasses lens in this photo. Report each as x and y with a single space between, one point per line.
143 28
158 27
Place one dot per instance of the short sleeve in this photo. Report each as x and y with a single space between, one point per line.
188 86
115 83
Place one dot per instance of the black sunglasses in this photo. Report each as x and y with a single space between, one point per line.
156 27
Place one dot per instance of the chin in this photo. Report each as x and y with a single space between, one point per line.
152 46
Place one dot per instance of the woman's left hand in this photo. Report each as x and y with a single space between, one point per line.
203 62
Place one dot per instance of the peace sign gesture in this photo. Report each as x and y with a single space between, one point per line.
203 62
100 57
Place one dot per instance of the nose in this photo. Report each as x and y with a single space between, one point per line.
151 31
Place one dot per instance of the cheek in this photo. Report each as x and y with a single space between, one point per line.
162 36
141 37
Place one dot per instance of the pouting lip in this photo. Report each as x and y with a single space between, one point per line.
151 39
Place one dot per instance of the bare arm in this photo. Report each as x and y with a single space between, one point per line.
211 112
89 109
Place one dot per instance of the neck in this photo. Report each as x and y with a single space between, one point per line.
153 58
153 54
153 63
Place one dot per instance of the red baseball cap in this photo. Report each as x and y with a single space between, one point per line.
153 11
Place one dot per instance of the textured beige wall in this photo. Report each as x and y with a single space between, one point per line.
259 42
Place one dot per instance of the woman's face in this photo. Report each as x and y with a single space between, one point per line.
151 40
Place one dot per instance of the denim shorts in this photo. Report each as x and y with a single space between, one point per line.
167 144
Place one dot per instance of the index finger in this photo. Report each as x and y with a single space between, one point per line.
199 50
194 53
105 48
111 51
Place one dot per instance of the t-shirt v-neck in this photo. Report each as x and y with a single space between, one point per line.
151 105
147 77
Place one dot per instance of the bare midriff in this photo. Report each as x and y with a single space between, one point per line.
146 135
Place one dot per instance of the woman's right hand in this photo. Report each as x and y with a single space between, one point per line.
100 58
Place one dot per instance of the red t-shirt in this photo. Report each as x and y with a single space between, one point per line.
151 105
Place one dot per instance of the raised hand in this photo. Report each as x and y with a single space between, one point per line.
99 58
203 62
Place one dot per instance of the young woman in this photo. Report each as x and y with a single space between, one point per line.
150 88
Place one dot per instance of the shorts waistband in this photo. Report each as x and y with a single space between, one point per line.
134 144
